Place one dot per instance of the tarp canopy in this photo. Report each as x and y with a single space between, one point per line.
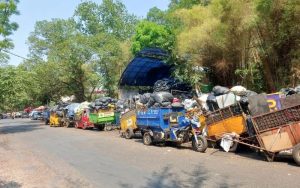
146 68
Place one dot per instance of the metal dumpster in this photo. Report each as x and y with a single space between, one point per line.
128 124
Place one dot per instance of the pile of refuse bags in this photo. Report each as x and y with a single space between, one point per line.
58 109
290 91
103 103
168 84
81 107
221 97
124 105
158 99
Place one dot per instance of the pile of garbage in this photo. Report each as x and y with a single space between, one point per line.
81 107
169 84
104 103
158 99
221 97
58 109
290 91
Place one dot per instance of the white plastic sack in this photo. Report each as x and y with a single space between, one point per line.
226 142
226 100
203 99
239 90
189 103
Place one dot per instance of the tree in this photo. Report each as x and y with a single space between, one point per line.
110 27
110 17
149 34
7 9
59 45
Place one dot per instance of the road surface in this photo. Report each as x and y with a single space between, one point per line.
36 155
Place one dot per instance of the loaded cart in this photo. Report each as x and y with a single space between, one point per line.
82 120
279 131
68 119
128 124
228 122
54 119
105 120
160 125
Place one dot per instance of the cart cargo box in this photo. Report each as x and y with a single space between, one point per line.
128 124
279 131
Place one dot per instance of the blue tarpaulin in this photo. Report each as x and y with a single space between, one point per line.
146 68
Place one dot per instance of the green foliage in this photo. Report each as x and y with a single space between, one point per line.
7 9
109 17
149 34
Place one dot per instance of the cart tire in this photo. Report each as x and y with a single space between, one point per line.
108 127
233 147
147 139
100 127
296 154
269 156
129 134
202 144
67 124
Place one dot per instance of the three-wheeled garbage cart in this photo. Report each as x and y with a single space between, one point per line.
128 124
104 120
229 121
82 120
160 125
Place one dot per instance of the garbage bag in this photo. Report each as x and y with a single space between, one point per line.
297 89
145 98
177 105
239 90
156 105
189 103
161 97
97 102
211 102
220 90
166 104
168 84
105 99
288 91
151 102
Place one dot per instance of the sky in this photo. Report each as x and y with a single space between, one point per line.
32 11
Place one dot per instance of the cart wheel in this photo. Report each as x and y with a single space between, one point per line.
108 127
84 126
296 154
233 146
147 139
202 144
67 124
269 156
100 127
129 134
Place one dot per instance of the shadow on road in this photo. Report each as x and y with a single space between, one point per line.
17 128
9 184
198 177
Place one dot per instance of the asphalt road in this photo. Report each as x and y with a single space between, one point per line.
35 155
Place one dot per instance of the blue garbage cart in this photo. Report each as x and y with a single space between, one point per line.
160 125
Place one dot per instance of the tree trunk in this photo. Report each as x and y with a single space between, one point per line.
268 75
